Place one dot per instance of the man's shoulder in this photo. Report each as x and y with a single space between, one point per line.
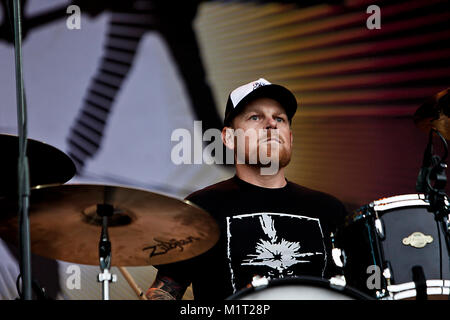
215 190
320 197
321 202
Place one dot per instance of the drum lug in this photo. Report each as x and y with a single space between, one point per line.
379 228
259 282
338 282
337 254
387 274
339 257
384 295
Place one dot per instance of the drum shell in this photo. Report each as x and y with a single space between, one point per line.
361 249
433 257
364 246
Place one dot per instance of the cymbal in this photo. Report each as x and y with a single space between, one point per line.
435 113
146 228
47 164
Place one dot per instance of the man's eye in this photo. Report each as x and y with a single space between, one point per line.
254 117
280 119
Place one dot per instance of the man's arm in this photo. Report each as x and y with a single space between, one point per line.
165 288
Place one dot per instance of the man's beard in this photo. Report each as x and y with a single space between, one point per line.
283 158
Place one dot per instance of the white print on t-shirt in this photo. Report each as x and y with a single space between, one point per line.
271 253
277 254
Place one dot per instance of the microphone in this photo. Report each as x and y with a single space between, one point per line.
421 183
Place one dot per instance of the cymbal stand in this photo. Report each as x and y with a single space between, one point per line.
439 204
23 169
105 211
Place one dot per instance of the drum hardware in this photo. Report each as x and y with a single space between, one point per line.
259 282
338 257
23 167
338 282
40 292
387 274
383 295
25 162
433 118
379 228
23 176
448 223
436 195
337 254
105 211
23 190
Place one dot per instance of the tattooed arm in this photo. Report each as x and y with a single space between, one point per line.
165 288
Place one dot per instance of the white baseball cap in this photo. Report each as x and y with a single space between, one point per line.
260 88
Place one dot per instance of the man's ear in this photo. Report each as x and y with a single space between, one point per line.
228 137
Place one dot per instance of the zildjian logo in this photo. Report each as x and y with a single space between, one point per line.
162 247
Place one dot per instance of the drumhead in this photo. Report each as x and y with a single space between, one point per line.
299 288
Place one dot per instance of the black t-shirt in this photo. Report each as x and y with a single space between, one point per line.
281 232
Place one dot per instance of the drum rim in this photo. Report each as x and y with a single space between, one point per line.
376 206
321 282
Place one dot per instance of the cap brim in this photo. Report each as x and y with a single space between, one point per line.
273 91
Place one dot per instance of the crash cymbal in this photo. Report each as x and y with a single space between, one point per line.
47 164
435 113
146 228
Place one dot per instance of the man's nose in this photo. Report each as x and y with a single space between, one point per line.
271 123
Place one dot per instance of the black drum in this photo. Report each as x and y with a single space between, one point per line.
394 246
300 288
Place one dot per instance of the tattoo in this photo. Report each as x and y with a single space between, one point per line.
165 288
